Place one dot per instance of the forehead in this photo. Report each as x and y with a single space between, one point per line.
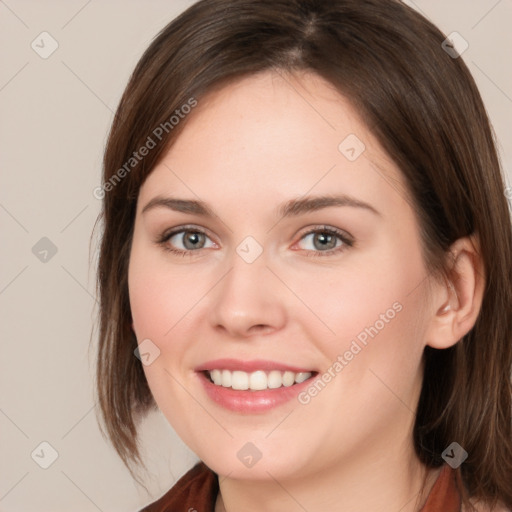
276 135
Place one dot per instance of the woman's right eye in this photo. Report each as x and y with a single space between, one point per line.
185 241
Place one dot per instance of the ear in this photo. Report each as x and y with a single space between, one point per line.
457 301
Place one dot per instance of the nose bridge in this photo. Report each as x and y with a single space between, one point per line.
247 298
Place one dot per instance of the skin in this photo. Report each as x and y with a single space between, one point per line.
245 150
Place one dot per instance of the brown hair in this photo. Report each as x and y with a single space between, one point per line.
424 108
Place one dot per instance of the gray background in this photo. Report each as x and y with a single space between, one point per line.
55 115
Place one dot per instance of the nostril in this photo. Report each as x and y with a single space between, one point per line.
261 328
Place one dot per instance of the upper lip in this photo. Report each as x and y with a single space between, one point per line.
249 366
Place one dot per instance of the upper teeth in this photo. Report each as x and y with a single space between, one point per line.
257 380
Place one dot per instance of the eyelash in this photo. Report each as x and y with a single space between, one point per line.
347 242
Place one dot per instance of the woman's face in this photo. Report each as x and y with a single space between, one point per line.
298 258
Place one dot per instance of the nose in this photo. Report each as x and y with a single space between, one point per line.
248 301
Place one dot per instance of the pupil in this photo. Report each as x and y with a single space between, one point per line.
192 240
325 241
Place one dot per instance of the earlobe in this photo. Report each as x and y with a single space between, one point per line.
457 301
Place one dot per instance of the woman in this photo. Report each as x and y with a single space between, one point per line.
306 263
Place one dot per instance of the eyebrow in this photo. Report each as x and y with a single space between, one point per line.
291 208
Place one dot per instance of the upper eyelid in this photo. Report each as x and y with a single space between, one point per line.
180 229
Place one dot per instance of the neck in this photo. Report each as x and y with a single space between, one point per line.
390 483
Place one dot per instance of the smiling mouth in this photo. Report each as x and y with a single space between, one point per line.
258 380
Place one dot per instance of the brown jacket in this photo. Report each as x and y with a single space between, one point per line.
197 491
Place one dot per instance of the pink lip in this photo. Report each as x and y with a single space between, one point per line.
249 366
250 402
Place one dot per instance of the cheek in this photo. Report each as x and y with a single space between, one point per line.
161 296
160 300
374 289
372 315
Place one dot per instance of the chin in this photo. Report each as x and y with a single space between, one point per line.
255 461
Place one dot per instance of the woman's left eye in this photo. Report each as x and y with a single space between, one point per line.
322 241
325 241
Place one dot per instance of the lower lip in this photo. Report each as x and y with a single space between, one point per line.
251 401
